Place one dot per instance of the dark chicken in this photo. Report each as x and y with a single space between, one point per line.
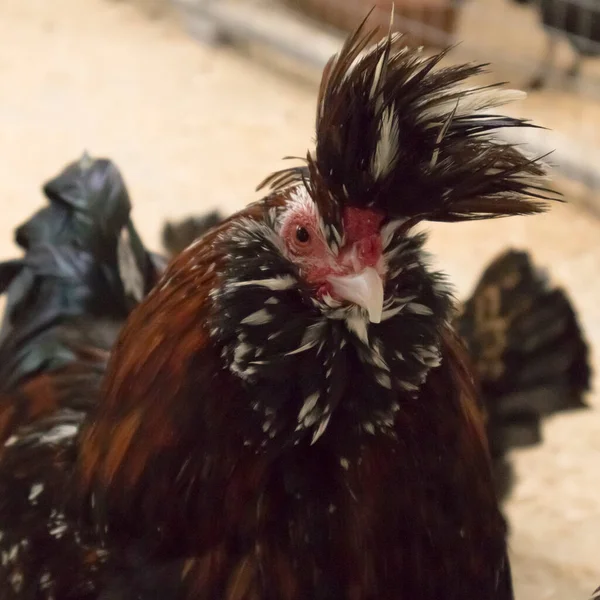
528 352
288 414
84 269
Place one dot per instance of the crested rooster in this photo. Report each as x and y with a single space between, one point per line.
288 414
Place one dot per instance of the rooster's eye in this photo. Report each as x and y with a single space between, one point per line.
302 234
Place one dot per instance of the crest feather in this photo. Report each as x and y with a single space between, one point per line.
397 132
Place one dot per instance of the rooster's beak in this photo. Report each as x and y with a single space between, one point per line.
364 289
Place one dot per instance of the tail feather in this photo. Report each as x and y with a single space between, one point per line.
531 357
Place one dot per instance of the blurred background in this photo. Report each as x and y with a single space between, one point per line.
197 100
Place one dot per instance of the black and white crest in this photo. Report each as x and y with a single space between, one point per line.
398 133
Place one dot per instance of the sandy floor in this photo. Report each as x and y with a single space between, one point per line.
193 127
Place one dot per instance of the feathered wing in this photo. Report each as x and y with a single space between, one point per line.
530 355
66 301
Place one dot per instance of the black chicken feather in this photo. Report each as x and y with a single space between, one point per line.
83 270
452 169
530 354
177 236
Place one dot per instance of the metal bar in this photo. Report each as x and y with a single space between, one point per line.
270 27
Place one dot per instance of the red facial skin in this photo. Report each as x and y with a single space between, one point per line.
362 245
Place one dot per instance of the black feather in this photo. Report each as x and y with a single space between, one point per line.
178 236
531 357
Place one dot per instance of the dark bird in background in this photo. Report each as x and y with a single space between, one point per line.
177 236
83 270
288 414
577 21
530 356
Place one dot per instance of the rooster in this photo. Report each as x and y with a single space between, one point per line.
288 414
529 354
85 268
